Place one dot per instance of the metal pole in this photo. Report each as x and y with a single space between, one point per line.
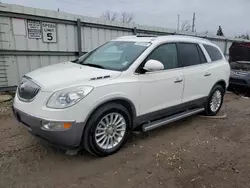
225 50
193 25
178 24
134 30
79 37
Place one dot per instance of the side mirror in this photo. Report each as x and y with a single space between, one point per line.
153 65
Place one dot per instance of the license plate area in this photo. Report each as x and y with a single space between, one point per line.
21 119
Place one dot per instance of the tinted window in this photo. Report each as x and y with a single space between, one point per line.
166 54
213 52
202 56
189 54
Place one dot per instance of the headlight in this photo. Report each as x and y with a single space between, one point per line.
68 97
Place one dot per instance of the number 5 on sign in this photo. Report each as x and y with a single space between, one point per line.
49 32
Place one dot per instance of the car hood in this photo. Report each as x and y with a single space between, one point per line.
68 74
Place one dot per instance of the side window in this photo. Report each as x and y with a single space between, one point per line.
213 52
188 54
166 54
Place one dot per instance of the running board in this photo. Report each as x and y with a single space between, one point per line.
170 119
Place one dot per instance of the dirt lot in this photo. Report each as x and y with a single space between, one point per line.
197 152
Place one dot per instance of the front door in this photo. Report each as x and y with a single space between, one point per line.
161 89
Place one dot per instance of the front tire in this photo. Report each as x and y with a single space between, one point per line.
107 130
215 101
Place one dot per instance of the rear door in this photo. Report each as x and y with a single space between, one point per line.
217 66
196 74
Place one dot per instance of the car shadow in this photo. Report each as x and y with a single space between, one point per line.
133 139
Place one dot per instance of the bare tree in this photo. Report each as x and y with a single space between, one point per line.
112 16
127 17
207 32
185 26
243 36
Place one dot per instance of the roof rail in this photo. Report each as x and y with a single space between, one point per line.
146 36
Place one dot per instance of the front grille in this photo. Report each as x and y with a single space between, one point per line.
237 81
239 73
27 90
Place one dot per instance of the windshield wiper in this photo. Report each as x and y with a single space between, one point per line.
94 65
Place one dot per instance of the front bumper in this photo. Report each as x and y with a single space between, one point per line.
64 139
239 81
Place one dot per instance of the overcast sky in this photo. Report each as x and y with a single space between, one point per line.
232 15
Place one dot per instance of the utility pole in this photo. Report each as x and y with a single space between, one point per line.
178 24
193 25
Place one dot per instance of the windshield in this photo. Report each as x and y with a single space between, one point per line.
114 55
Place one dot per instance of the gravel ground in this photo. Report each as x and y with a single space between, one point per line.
196 152
5 109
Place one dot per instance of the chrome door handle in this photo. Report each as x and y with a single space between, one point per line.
207 74
178 80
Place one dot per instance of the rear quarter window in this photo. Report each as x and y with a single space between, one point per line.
213 52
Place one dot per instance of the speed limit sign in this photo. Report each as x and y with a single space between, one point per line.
49 32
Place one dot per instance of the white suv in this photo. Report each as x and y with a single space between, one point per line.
130 82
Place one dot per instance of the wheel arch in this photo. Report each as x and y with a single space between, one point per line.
128 104
222 83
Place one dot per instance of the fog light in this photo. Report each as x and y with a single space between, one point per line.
55 125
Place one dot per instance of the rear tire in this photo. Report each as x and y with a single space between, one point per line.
215 101
107 130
